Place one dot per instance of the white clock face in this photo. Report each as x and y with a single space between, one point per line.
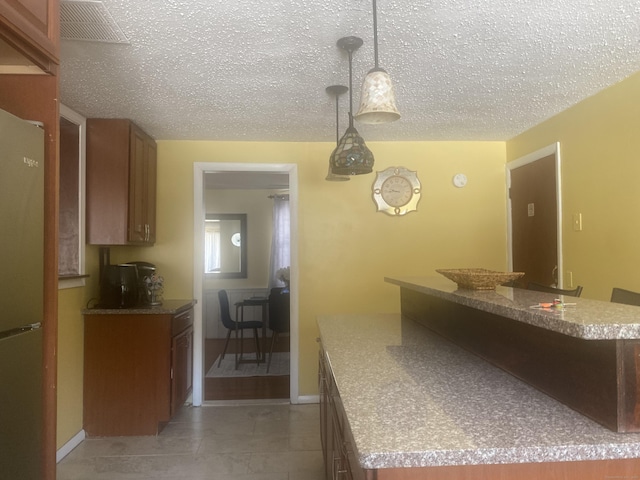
236 240
396 191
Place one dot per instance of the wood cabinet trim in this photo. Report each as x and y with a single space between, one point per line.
36 35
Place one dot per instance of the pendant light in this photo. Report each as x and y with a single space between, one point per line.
351 156
336 91
377 98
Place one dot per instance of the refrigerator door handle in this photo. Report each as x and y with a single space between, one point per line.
25 328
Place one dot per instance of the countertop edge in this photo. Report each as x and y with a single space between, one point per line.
168 307
589 320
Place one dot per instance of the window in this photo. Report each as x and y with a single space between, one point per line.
72 187
212 246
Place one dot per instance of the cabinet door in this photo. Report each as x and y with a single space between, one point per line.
142 187
31 28
137 182
181 368
150 189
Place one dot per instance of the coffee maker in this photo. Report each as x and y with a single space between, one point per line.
145 271
119 286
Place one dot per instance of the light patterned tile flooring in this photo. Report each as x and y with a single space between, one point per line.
244 442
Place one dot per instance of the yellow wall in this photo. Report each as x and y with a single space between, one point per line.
71 351
600 151
345 246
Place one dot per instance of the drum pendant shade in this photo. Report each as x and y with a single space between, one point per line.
378 97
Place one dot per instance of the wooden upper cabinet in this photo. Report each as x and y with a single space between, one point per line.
121 183
29 36
142 191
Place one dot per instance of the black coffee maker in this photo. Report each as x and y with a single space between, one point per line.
145 271
119 286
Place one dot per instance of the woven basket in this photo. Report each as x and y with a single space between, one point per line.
479 278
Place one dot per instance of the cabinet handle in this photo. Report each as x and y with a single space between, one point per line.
337 472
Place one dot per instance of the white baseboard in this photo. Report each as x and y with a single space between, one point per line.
308 399
70 445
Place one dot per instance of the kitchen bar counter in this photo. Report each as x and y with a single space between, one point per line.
168 307
588 319
586 356
413 399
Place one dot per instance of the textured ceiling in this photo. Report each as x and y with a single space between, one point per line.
257 69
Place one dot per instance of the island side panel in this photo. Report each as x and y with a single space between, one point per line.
629 371
582 374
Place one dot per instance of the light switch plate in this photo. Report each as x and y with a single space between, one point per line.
531 210
577 222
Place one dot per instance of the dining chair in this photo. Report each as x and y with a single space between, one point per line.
236 326
620 295
279 316
558 291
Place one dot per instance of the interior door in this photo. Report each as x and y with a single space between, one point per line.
534 221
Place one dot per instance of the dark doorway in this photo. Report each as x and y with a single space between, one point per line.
534 220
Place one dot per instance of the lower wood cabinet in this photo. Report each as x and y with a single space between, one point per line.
181 368
138 370
337 445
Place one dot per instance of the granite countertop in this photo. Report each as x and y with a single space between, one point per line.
415 400
588 319
168 307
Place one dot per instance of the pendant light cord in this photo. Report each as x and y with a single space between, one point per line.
375 34
350 52
337 119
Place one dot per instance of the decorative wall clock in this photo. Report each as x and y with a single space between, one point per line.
396 191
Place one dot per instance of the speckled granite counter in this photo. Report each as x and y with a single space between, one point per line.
168 307
413 399
589 319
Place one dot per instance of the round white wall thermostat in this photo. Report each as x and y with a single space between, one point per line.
460 180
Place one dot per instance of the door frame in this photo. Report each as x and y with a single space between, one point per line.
199 169
553 149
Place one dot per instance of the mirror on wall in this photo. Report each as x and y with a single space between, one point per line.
225 243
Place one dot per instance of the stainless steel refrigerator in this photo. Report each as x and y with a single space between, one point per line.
21 297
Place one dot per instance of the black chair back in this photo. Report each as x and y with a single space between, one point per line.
225 314
279 310
620 295
558 291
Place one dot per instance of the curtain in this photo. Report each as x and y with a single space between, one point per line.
280 243
211 249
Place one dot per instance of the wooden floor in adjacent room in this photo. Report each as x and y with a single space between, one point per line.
243 388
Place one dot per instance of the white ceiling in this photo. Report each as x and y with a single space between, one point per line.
255 70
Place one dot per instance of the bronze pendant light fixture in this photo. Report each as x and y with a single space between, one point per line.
336 91
377 98
351 156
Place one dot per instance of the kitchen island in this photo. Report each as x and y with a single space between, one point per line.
402 402
138 367
586 355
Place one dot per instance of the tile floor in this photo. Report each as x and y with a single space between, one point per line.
243 442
